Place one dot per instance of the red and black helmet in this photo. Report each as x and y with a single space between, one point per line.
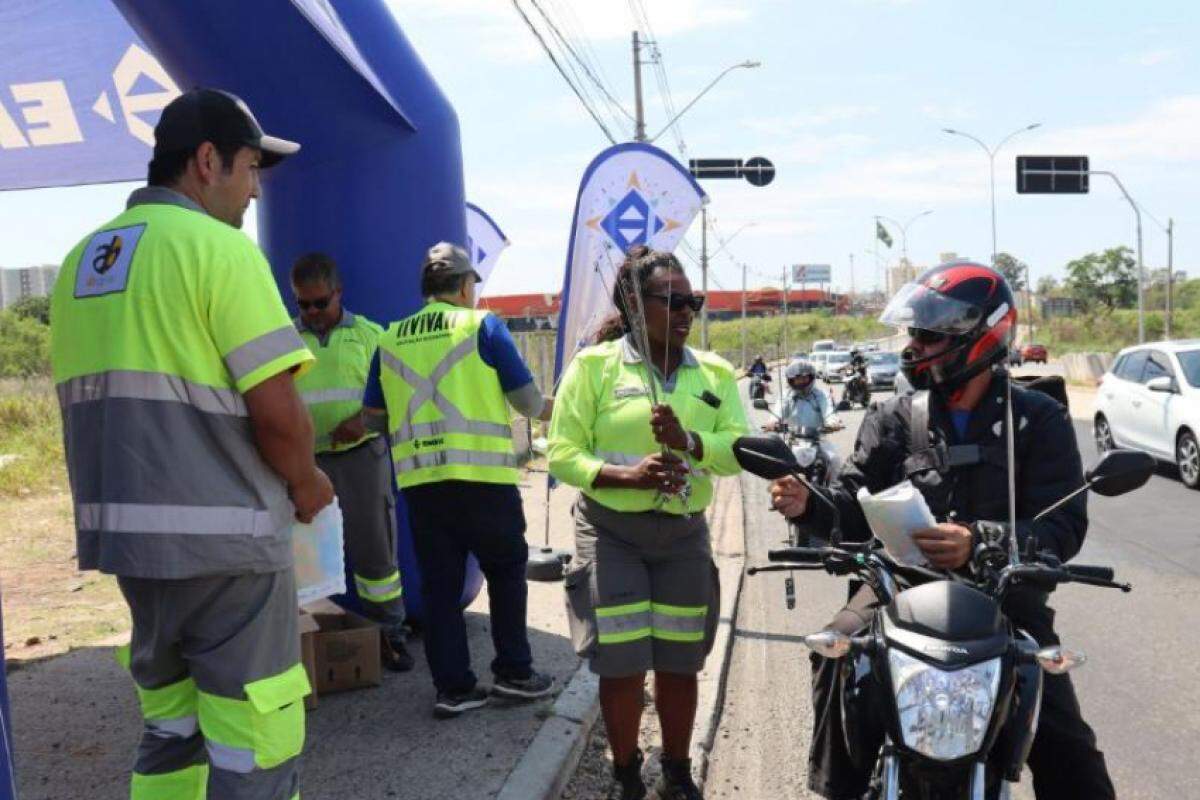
968 303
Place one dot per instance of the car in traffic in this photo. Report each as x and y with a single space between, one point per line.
1035 353
817 359
882 368
1014 356
823 345
831 366
1150 400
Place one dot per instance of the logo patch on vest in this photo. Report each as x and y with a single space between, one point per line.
433 325
104 267
621 392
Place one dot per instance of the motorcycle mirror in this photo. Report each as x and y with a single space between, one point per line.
761 404
1120 471
765 456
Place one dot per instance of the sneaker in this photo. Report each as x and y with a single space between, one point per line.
535 686
451 705
675 782
395 654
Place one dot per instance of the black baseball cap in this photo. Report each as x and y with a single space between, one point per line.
220 117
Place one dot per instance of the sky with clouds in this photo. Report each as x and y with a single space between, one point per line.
849 104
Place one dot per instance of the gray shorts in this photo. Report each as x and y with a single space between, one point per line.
643 592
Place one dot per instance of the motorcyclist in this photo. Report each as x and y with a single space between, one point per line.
760 378
806 405
855 370
947 438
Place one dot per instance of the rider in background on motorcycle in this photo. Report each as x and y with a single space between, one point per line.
806 405
759 368
948 439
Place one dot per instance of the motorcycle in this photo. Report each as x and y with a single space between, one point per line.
760 386
858 389
941 694
816 458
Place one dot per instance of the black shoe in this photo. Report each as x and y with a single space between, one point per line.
676 782
395 654
534 687
451 705
628 780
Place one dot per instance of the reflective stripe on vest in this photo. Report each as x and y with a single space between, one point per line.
150 386
266 348
425 391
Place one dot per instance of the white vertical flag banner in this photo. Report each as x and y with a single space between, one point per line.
485 243
630 194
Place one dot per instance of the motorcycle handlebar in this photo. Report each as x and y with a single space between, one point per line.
1085 571
799 555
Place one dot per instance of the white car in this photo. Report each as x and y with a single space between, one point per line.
817 359
1150 401
830 368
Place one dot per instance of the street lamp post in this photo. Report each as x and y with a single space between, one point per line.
991 154
903 226
704 91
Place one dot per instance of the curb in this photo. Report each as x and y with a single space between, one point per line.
555 751
708 715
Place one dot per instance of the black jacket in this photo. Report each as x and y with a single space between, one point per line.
1048 467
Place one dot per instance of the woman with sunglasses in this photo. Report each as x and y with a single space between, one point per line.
641 423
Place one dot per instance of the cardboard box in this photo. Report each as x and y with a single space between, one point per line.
339 650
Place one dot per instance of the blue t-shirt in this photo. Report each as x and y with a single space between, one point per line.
961 417
496 348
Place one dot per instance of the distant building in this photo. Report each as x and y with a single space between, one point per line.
902 273
22 282
524 312
538 312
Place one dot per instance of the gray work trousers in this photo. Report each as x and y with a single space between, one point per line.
217 666
362 480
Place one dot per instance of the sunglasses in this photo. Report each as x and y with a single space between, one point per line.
676 301
320 304
923 336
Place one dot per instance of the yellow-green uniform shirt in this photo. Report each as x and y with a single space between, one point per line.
602 415
161 321
333 389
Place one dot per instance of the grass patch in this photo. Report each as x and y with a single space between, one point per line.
31 434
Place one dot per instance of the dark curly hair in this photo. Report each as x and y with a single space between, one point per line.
639 266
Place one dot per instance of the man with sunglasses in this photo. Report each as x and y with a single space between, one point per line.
948 439
355 459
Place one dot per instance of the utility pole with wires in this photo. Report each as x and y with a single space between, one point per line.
639 129
851 284
1170 276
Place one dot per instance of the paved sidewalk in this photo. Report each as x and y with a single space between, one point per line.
76 721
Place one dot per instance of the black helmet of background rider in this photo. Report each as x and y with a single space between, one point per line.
801 376
968 304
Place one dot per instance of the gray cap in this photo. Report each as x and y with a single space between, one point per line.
448 259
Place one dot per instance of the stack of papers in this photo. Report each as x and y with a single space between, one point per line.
317 547
894 515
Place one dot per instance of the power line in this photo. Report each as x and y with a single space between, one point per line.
583 63
562 72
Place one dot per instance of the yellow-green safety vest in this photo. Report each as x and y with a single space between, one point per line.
160 322
447 415
602 416
333 389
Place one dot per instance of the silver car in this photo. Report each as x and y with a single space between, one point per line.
882 368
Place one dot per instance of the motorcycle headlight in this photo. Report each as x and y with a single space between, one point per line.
805 454
943 715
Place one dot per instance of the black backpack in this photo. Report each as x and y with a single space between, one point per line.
1053 385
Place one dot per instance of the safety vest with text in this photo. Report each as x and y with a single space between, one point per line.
333 389
447 415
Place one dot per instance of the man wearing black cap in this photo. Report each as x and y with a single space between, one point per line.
446 376
190 456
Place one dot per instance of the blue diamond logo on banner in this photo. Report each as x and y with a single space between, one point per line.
631 221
